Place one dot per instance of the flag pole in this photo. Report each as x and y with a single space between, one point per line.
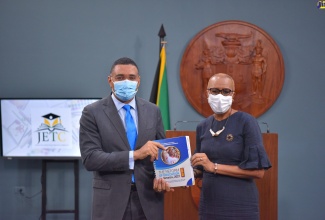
154 90
159 91
162 35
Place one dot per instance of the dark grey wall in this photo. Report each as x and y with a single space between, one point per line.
65 48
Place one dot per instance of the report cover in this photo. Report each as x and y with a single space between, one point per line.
174 163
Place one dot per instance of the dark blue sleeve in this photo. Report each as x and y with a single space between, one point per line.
255 156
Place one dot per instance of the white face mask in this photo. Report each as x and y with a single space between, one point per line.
219 103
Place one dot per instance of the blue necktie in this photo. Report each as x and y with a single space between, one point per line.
131 130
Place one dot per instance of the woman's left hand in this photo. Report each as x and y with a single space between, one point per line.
202 160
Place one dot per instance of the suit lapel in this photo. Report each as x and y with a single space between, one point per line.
142 122
115 119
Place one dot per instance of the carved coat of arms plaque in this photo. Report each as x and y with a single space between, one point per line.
242 50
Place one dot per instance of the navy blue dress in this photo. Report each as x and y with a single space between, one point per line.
225 197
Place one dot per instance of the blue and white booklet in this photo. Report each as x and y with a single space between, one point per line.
174 163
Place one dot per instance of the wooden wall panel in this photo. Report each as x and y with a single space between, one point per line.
179 204
268 186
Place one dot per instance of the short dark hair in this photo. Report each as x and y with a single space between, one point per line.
123 61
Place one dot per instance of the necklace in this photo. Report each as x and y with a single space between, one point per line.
216 134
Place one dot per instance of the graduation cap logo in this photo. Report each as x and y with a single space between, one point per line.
51 122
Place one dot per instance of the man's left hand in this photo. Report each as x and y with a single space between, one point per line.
160 185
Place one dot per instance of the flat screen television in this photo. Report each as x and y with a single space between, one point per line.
41 128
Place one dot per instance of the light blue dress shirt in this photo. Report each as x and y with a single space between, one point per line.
121 111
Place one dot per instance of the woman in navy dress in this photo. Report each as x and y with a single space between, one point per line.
229 155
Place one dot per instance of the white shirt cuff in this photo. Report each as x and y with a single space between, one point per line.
131 160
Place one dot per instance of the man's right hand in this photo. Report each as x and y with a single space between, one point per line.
149 149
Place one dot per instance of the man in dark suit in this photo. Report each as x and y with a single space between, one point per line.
124 183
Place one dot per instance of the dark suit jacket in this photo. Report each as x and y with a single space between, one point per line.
105 151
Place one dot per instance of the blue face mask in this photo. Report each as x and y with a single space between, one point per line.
125 90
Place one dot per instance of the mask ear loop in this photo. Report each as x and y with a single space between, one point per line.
113 88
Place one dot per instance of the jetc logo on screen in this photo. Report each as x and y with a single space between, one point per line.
52 128
321 4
